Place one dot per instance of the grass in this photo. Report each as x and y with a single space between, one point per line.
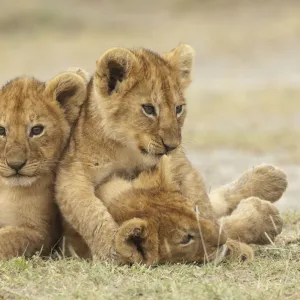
274 274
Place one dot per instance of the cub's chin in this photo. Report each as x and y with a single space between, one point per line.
19 180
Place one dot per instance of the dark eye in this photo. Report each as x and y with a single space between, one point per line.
187 239
179 109
149 110
2 131
36 130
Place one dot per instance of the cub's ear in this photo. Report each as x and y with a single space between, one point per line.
82 73
182 58
113 70
69 90
136 242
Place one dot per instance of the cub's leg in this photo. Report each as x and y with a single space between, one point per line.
264 181
19 241
254 221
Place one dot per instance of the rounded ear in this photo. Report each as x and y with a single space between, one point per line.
135 242
113 69
182 58
69 90
82 73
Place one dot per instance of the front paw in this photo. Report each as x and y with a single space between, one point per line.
237 251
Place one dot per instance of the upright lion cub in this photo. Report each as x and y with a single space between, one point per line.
35 122
133 115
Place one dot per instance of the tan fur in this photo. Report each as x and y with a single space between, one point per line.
151 207
254 221
238 251
246 205
28 214
264 181
156 223
115 136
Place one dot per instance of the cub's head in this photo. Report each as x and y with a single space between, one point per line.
159 225
35 120
139 94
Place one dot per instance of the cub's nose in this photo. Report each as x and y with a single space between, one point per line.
16 165
169 147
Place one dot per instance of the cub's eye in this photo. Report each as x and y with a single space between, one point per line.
2 131
36 130
179 109
149 110
187 239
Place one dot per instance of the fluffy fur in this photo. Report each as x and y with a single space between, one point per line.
35 122
133 114
265 182
157 224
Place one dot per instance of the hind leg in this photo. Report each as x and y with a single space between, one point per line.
254 221
264 181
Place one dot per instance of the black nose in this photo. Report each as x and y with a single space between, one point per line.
169 147
16 165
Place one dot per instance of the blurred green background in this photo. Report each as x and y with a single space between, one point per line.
244 102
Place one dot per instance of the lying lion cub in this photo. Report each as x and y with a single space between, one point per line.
159 225
35 122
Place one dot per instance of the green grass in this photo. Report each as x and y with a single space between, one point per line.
274 274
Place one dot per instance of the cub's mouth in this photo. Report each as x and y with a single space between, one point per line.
19 180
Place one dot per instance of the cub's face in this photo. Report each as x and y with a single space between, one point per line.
185 238
140 97
34 126
158 224
166 229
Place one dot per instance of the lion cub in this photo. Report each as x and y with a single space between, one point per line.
35 122
157 224
133 114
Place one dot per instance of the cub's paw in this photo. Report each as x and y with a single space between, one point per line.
264 181
237 251
254 221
